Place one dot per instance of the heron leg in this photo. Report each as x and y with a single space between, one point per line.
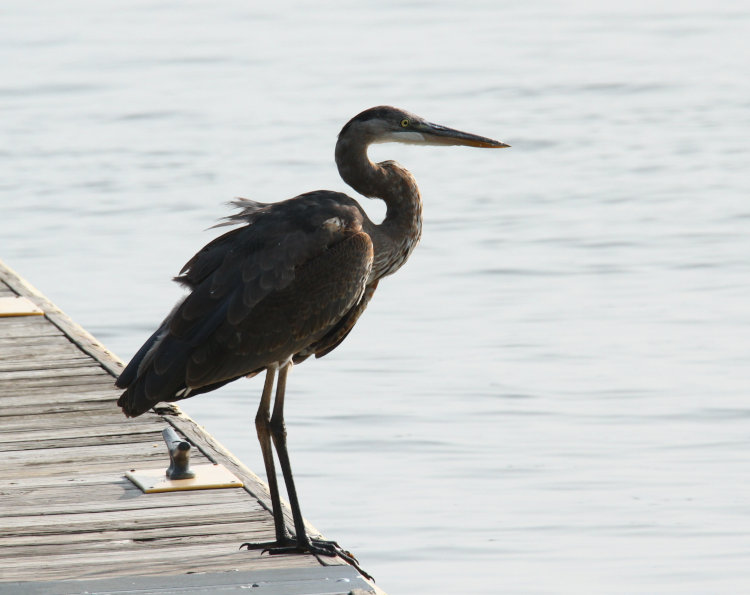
263 428
278 433
316 547
273 429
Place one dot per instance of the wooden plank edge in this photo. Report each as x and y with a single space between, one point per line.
326 579
76 333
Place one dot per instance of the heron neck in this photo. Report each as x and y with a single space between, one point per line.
397 236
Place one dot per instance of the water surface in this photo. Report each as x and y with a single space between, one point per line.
552 395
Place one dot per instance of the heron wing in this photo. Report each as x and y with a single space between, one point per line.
324 290
260 293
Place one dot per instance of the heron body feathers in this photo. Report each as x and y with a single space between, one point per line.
260 294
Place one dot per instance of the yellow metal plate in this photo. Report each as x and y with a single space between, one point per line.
207 477
18 306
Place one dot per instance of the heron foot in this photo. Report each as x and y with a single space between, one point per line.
269 546
316 547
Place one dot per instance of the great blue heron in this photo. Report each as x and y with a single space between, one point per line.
290 283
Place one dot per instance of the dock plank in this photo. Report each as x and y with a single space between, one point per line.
243 530
78 436
165 561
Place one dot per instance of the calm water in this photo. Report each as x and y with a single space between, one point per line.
552 395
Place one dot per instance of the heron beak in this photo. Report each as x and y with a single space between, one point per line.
435 134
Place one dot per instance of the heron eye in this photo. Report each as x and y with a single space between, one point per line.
404 123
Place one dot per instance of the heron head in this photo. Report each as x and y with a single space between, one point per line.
386 124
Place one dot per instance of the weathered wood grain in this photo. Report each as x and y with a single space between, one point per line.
27 439
88 394
178 559
217 530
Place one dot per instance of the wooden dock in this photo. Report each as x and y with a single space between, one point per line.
70 521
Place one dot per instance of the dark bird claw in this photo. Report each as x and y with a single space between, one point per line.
316 547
